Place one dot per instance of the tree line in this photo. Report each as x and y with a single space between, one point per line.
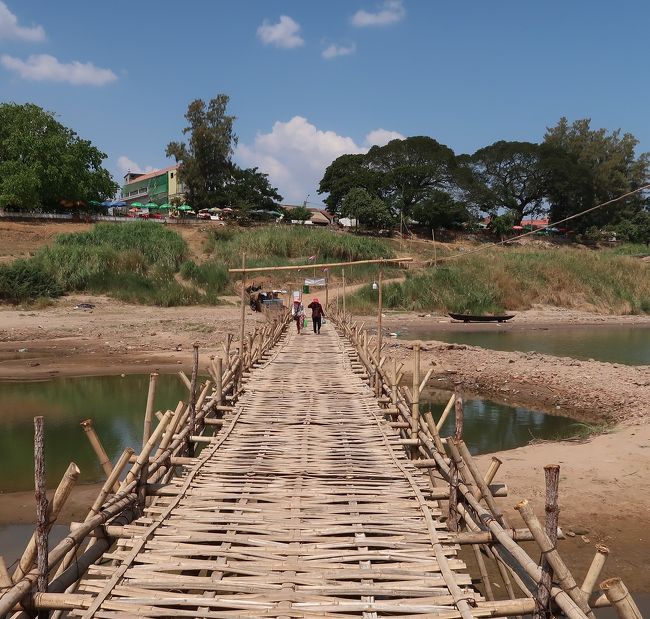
574 168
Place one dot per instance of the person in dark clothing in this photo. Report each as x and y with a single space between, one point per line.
317 314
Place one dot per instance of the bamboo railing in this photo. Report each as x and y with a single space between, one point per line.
166 451
473 514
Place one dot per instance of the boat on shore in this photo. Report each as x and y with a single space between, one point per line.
482 317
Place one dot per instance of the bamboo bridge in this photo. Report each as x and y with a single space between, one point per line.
300 481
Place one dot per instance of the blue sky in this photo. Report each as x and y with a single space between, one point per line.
309 81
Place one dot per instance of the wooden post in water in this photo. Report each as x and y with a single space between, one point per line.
454 517
543 597
415 406
41 507
379 310
96 444
192 416
146 432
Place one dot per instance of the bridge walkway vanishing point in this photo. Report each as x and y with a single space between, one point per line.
304 505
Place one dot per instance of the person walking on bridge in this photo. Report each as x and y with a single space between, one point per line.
298 313
317 314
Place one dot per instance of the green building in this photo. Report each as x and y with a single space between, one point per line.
159 186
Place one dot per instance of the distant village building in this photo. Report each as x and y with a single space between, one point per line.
159 186
319 217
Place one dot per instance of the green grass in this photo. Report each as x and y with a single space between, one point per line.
517 279
133 262
276 245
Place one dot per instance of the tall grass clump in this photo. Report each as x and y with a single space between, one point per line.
285 244
135 262
517 279
209 275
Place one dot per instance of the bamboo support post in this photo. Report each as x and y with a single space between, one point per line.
185 380
453 515
560 570
5 578
192 415
596 567
343 278
218 377
620 598
445 413
41 505
153 380
415 406
379 310
61 494
97 446
242 325
491 473
551 510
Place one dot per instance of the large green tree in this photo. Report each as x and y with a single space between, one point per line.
440 210
206 159
345 173
591 166
252 188
368 210
43 162
506 176
409 171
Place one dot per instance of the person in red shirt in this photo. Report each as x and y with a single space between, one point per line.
317 314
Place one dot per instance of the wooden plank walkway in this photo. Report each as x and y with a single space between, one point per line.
304 505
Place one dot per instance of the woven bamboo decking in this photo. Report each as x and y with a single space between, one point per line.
304 505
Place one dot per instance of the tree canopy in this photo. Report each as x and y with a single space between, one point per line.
206 167
506 176
43 162
591 166
368 210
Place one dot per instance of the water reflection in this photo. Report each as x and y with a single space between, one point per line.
116 406
627 345
490 426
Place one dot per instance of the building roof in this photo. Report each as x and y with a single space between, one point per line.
153 174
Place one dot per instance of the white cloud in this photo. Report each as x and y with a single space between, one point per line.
295 154
124 164
9 28
391 12
284 34
381 137
338 50
46 68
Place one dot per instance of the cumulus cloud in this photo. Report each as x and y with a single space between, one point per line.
295 154
338 50
46 68
124 165
284 34
391 12
9 28
381 137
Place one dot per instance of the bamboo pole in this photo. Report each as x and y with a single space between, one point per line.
344 309
596 567
153 380
490 474
453 515
5 578
324 265
192 420
41 505
560 570
445 413
551 510
243 305
620 598
379 311
97 446
61 494
218 377
415 405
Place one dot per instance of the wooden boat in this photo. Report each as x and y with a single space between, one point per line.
482 318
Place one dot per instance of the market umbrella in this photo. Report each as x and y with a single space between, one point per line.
107 203
165 207
185 207
118 203
214 209
150 205
137 204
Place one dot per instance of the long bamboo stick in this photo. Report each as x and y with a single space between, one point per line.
61 494
97 446
298 267
445 413
596 567
151 394
41 503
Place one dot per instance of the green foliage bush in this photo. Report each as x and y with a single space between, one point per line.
24 280
210 275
